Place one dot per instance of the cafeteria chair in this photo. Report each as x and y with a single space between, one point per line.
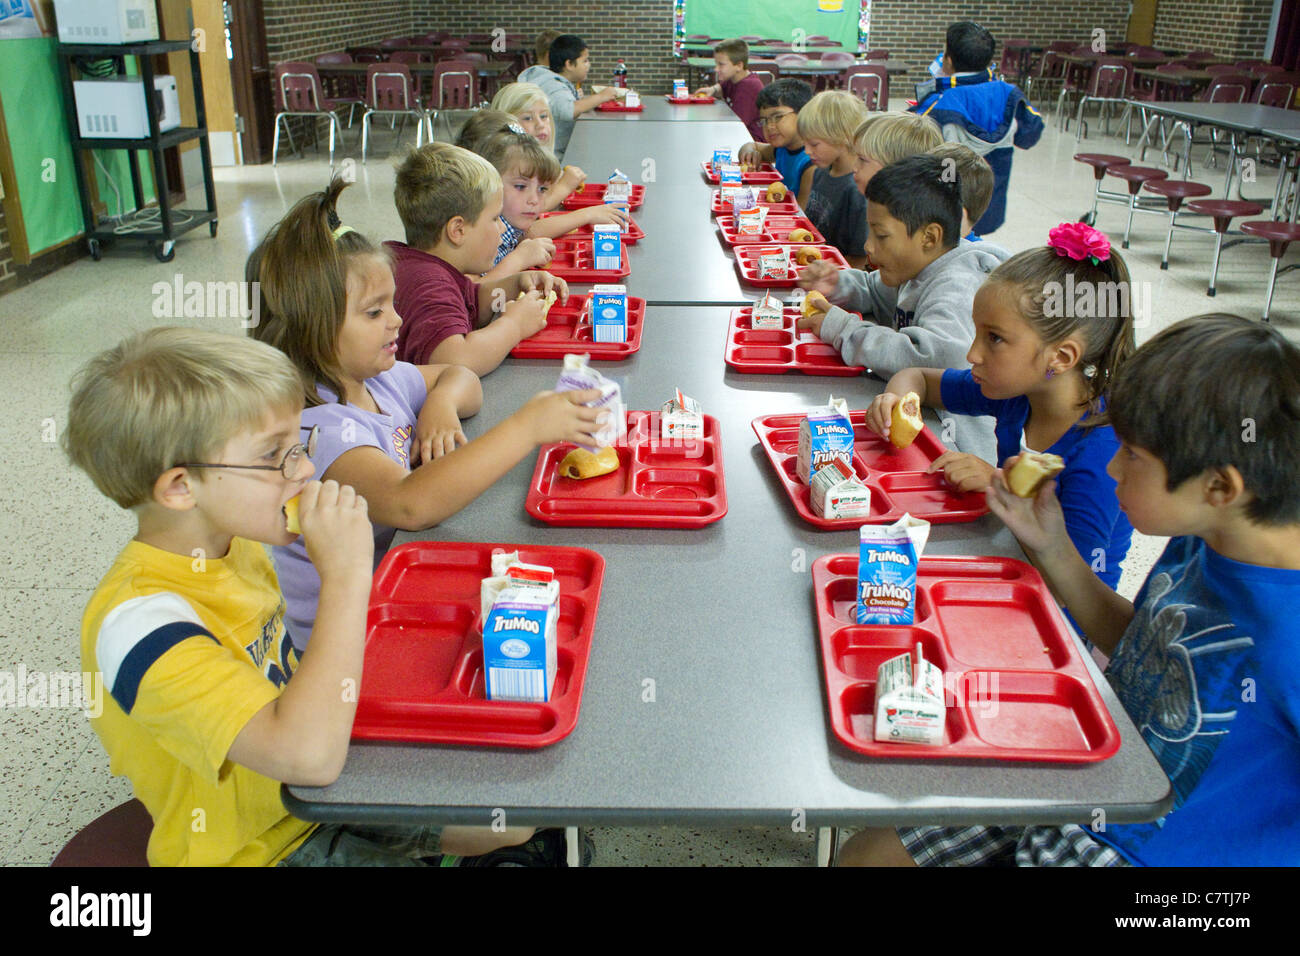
837 58
869 82
367 54
393 43
769 71
1100 162
1050 69
790 59
1200 56
1074 82
1276 92
1174 192
1111 79
1222 211
390 92
755 39
1013 66
1135 176
298 92
118 838
339 87
1224 88
453 87
1279 236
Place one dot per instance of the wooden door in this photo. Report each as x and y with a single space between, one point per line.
1142 22
250 75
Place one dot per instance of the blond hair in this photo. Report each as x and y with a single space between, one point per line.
832 115
166 396
435 184
974 174
889 137
517 98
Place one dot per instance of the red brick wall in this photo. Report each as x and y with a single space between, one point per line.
1237 28
300 30
8 279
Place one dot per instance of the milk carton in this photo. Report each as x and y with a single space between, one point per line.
887 560
721 157
609 313
749 222
606 247
680 92
824 435
681 418
768 313
774 263
618 188
632 99
577 375
909 700
509 571
519 643
837 492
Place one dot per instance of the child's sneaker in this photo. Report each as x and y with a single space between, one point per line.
547 848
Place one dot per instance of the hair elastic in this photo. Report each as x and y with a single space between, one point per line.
341 231
516 128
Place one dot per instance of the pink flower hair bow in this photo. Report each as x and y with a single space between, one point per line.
1079 241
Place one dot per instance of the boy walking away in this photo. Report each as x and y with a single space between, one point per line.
561 80
1207 660
975 109
736 85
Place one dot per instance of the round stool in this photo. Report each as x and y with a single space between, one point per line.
1222 211
1135 176
119 837
1099 162
1174 191
1279 236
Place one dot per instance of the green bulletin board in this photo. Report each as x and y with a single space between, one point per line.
775 19
42 152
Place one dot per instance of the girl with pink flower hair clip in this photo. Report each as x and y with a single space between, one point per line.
1052 326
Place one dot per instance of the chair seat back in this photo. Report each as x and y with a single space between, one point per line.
1111 79
453 84
1229 88
298 88
389 87
868 87
1274 93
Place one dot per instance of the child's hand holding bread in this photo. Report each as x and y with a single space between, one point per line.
819 276
336 530
815 307
528 312
1038 523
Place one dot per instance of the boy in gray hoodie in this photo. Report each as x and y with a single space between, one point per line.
917 304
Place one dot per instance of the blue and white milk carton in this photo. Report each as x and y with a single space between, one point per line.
721 157
609 313
680 92
888 556
824 435
519 643
606 247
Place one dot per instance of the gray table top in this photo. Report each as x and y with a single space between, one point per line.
659 110
721 619
1241 117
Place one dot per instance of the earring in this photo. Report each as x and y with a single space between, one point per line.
1051 372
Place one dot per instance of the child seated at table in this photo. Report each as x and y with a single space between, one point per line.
449 201
976 177
560 79
917 304
1206 661
198 434
528 105
975 109
327 302
826 126
885 138
1042 371
527 172
738 87
779 104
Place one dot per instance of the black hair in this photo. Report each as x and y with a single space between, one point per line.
970 46
785 92
1217 390
920 190
565 47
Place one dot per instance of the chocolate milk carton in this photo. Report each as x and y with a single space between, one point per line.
888 556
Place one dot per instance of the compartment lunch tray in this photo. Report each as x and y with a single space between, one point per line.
776 229
593 194
629 238
788 207
572 262
766 173
1015 682
688 100
896 477
660 483
423 673
777 351
747 263
609 106
568 329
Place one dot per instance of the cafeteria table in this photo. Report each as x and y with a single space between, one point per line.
704 702
655 108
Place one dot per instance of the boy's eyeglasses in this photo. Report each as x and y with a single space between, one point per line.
774 118
289 466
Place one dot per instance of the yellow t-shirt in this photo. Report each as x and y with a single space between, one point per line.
190 649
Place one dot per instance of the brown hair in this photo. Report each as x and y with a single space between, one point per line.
1045 282
973 173
437 183
302 273
509 147
737 51
543 47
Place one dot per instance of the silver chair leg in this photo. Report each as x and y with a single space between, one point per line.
365 135
1272 278
1214 269
275 143
1132 206
828 842
573 846
1173 215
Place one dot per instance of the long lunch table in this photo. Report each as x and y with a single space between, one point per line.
489 71
657 109
814 67
705 702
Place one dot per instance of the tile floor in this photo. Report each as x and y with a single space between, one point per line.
54 776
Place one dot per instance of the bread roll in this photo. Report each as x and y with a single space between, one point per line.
806 255
1031 470
291 515
581 463
777 192
547 302
799 235
906 423
815 302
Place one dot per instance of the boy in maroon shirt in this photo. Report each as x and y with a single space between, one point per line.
736 85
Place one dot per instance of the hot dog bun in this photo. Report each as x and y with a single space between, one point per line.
777 192
806 255
906 423
815 302
291 516
581 463
1031 470
799 235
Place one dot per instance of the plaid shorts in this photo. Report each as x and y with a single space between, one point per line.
1069 845
335 844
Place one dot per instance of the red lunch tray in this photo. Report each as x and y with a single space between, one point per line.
787 208
424 648
611 107
629 238
766 173
572 263
593 194
777 351
1015 683
568 329
775 229
896 477
688 100
660 483
747 263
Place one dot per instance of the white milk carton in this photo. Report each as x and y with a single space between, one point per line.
681 418
577 375
609 313
632 99
618 188
837 492
768 313
909 700
824 435
519 643
749 222
606 247
680 92
888 556
774 263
